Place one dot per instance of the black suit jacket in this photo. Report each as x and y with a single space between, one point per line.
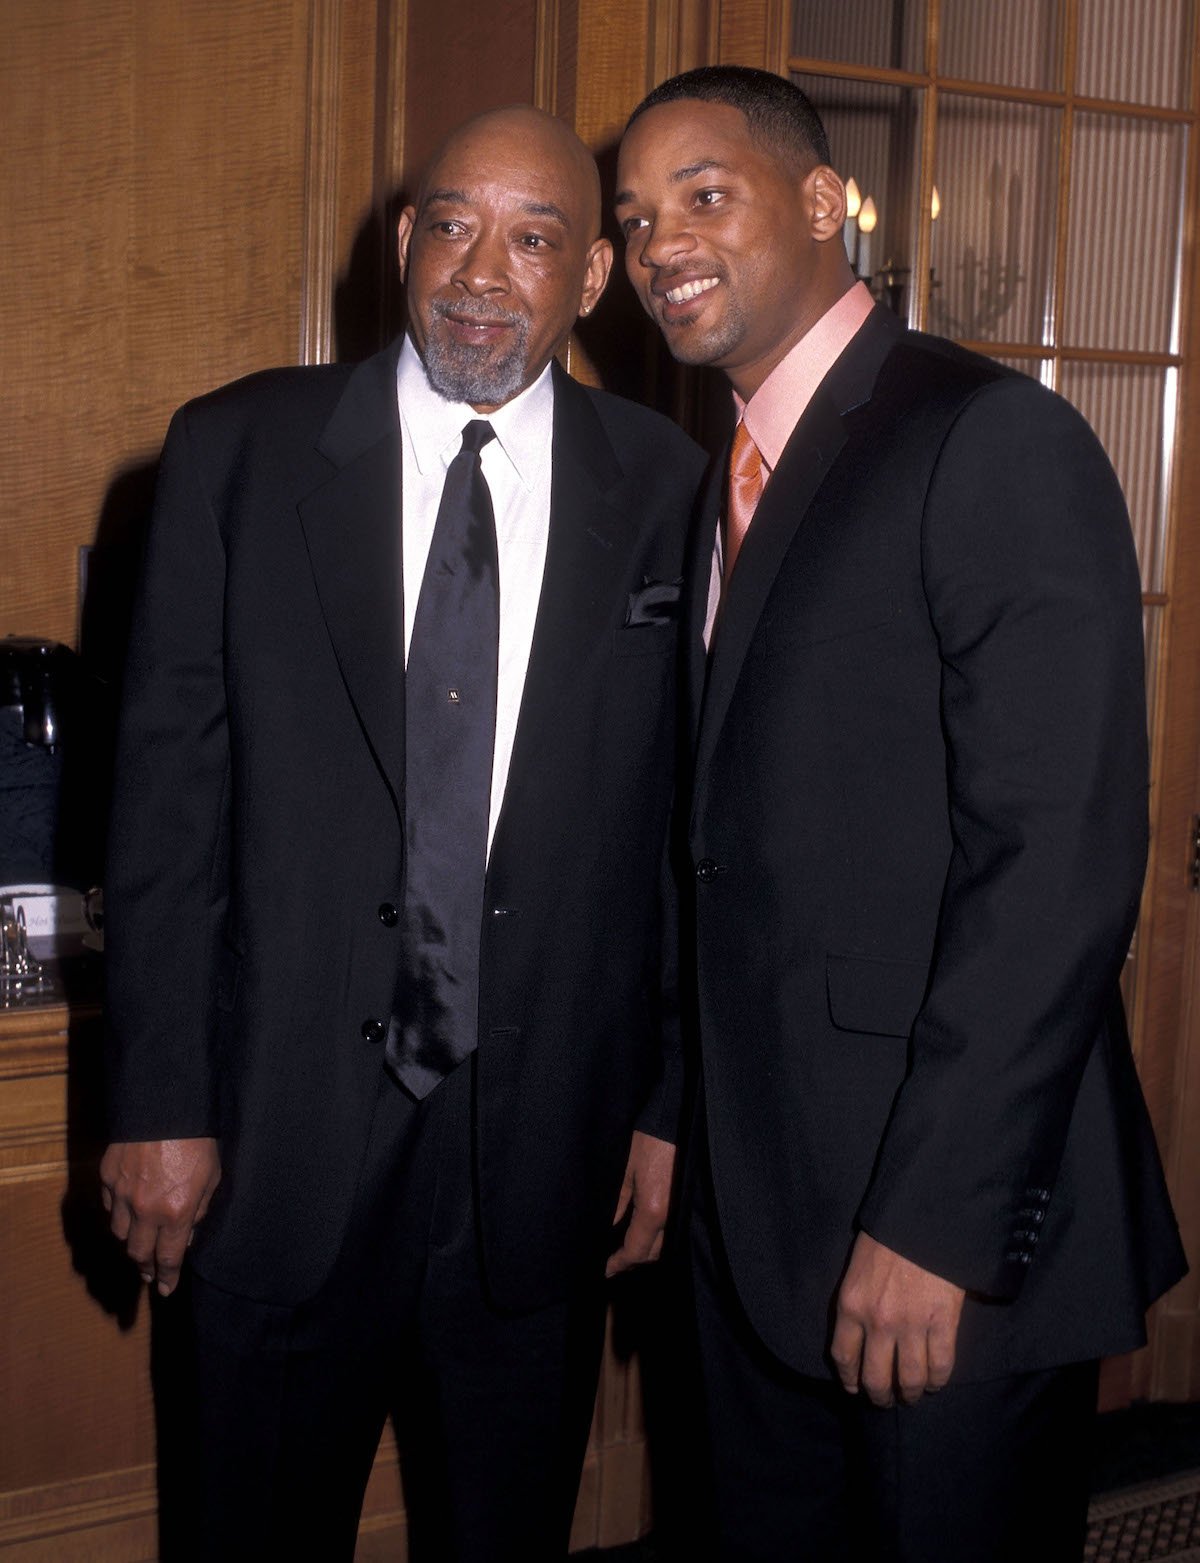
256 841
918 829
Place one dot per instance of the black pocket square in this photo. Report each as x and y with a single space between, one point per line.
654 602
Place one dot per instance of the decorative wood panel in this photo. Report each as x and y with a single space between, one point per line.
181 184
460 61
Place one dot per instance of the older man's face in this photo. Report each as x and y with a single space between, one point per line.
499 258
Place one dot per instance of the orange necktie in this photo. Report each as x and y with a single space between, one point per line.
745 490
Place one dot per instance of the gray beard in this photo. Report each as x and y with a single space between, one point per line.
467 374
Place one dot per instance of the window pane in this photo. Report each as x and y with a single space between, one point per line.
1017 44
875 139
1139 53
993 242
1130 409
1127 201
862 32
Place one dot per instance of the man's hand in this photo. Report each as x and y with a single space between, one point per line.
156 1191
896 1325
647 1189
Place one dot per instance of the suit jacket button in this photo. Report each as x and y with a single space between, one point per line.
706 871
388 915
373 1030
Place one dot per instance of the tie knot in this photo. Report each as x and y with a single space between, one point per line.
745 459
476 435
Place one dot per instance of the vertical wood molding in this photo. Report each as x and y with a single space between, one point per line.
1166 1002
546 56
320 183
391 153
751 32
682 34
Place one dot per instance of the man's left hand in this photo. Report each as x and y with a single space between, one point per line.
897 1325
646 1197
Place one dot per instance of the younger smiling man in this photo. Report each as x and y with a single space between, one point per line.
386 919
917 825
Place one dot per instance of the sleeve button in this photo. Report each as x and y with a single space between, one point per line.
388 915
373 1030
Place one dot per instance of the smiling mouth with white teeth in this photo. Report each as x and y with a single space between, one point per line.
690 290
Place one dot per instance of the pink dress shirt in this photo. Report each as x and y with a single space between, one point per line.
777 406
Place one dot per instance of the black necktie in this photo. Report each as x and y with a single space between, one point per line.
450 731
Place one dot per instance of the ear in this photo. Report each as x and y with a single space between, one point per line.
404 234
595 275
826 196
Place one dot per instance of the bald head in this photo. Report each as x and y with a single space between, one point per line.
501 253
536 138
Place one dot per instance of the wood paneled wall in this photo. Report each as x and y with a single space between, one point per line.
180 185
193 191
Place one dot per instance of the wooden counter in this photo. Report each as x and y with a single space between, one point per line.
77 1431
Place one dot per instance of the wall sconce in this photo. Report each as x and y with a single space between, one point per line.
862 218
892 276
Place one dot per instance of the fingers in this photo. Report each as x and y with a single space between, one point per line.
141 1240
155 1192
887 1366
638 1248
846 1351
643 1243
912 1370
624 1197
169 1253
942 1343
896 1326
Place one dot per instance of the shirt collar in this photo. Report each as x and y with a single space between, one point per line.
434 425
775 408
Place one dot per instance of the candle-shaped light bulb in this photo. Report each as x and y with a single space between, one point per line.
850 226
867 218
935 211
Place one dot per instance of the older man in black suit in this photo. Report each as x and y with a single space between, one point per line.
917 827
393 1030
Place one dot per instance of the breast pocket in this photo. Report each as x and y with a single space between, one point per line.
646 640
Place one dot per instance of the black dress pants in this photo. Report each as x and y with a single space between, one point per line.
802 1472
492 1410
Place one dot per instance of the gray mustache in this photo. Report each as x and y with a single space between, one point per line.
481 313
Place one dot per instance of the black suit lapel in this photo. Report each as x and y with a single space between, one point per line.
352 528
815 444
587 563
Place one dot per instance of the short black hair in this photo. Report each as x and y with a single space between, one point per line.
780 117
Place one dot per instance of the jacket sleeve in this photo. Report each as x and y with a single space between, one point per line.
166 883
1032 588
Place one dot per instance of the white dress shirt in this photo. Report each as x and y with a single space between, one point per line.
517 466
